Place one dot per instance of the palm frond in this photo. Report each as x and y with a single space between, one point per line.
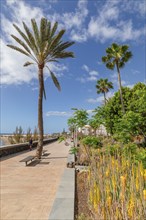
48 28
64 45
23 35
54 28
110 65
27 63
121 64
21 43
63 54
57 39
109 50
105 59
124 48
18 49
55 80
36 32
53 44
115 46
43 26
31 39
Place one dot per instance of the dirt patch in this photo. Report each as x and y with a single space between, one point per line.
82 211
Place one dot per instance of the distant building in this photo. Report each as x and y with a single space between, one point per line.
101 131
87 130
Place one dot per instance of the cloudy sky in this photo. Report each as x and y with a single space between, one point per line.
93 25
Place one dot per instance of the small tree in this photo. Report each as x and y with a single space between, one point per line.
18 135
28 134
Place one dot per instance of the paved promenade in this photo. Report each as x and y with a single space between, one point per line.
28 192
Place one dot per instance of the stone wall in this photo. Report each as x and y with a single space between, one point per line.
14 148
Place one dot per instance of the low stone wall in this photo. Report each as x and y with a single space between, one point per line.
14 148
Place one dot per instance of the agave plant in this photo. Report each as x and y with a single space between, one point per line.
42 45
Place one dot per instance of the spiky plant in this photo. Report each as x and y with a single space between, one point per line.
42 45
103 86
117 55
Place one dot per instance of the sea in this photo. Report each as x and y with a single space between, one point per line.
1 143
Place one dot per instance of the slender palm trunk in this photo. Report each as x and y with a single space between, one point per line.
40 114
120 88
104 98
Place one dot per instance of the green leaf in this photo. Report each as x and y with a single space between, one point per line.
21 43
18 49
55 80
23 35
64 54
54 28
57 38
43 39
31 39
27 63
36 32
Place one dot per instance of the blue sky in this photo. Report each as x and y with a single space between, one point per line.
93 25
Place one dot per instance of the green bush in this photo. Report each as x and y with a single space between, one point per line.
74 150
114 149
92 141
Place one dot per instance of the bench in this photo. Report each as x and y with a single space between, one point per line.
43 152
27 159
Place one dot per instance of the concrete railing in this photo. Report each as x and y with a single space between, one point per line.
14 148
64 204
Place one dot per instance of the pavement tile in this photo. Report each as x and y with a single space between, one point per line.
28 192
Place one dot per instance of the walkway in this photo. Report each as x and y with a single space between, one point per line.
28 192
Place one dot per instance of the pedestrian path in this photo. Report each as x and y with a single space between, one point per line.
28 192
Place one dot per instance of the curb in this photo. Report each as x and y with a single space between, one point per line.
64 204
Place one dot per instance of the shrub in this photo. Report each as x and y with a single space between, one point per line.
92 141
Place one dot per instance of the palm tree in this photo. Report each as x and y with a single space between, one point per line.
43 45
103 86
117 55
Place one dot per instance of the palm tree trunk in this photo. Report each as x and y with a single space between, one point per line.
104 98
120 88
40 114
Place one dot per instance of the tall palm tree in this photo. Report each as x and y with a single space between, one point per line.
117 55
103 86
43 45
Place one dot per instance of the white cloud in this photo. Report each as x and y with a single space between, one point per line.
58 113
12 70
64 113
85 67
138 7
114 79
130 86
96 100
100 99
108 24
74 22
90 76
90 111
93 73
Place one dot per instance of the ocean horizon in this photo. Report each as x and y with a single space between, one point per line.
1 143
